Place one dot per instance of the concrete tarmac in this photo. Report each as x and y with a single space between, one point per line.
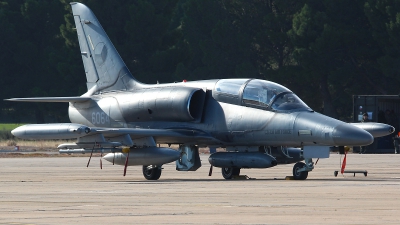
62 190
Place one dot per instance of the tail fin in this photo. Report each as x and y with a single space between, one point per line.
104 67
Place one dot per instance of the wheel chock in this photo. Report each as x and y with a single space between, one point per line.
289 178
242 177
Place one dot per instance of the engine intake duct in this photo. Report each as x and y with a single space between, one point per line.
181 104
242 160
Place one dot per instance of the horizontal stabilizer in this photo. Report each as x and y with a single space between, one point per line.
50 99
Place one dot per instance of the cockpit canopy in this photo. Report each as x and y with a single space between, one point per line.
260 94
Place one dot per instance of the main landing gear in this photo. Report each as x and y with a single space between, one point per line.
229 172
300 169
151 172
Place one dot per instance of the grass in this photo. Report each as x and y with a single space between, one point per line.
9 126
5 130
32 144
41 144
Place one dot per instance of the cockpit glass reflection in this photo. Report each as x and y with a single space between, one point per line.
288 101
260 93
229 86
269 95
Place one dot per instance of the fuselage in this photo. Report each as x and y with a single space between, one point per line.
236 112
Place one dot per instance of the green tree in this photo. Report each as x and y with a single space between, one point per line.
334 45
384 17
34 50
216 45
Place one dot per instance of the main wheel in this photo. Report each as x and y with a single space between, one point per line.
151 174
297 174
229 172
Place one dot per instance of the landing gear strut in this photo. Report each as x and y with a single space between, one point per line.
152 172
229 172
300 169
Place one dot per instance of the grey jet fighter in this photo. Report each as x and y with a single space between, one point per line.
259 123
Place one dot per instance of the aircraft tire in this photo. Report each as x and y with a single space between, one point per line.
299 175
229 172
151 174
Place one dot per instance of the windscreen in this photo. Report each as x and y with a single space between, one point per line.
261 92
270 95
288 101
229 86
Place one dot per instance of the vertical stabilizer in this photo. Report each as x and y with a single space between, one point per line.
104 67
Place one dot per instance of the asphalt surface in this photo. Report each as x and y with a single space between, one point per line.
63 191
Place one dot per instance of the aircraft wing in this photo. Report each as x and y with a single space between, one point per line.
50 99
73 130
168 135
146 132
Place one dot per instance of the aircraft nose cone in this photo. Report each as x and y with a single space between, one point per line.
349 135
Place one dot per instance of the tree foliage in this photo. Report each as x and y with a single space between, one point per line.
325 51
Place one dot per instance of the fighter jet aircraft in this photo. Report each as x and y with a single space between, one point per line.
259 123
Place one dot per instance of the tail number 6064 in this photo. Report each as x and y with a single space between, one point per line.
100 118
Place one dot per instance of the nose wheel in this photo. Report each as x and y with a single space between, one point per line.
300 169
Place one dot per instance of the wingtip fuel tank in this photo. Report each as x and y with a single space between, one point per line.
375 129
51 131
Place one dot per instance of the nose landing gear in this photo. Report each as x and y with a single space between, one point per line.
300 169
